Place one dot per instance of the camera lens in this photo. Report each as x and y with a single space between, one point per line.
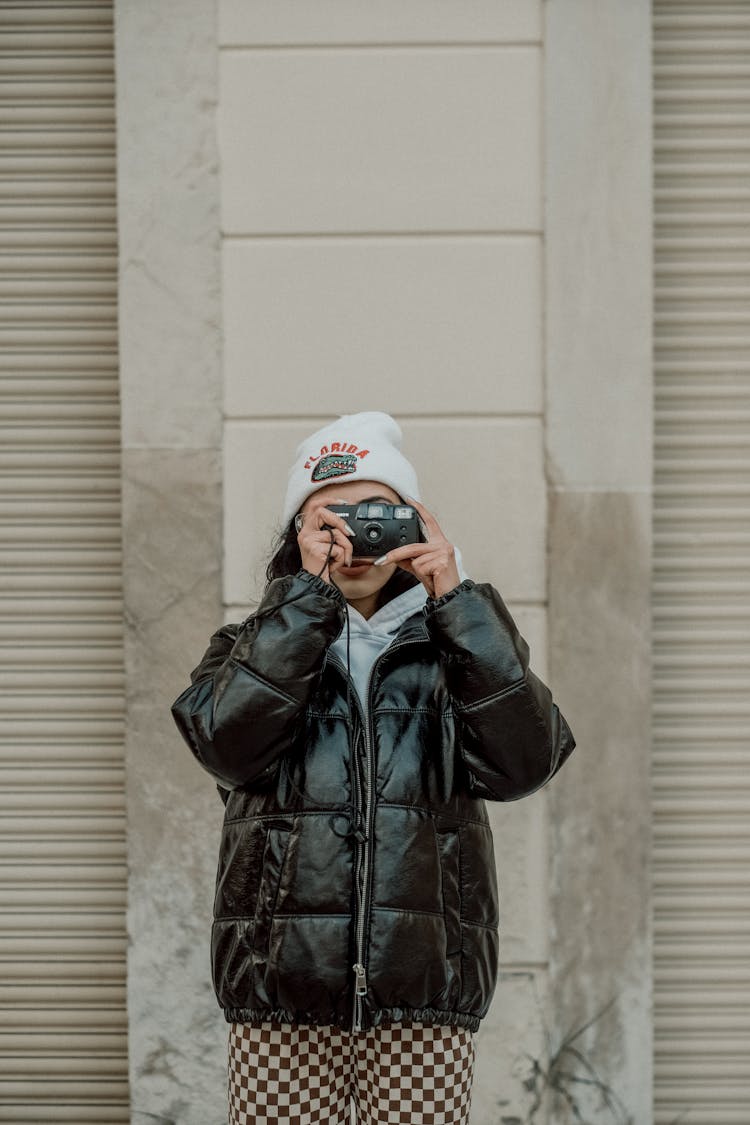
373 532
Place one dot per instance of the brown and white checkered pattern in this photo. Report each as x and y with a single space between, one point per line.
398 1074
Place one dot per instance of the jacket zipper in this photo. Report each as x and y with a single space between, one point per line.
360 980
363 849
360 977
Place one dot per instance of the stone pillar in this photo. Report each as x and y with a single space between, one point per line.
598 300
171 396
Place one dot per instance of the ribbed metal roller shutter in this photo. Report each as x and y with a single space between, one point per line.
63 872
701 590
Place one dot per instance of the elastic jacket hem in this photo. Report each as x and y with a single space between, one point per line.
383 1016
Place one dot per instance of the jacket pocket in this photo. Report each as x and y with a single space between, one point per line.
272 870
449 848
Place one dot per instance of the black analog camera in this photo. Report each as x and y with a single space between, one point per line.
380 527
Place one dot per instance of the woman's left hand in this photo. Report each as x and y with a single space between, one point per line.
433 562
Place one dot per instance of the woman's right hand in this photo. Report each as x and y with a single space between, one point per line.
314 542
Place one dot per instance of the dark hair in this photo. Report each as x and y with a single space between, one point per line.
285 556
286 559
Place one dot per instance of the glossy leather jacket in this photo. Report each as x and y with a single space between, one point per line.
356 878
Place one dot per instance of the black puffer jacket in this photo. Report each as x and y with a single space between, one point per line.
357 889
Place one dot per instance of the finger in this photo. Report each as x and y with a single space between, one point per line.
337 558
435 566
343 554
432 525
335 520
425 577
315 550
347 558
341 563
442 570
408 566
425 568
323 535
341 541
318 515
430 559
306 538
408 551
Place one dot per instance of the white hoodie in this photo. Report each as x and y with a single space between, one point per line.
368 637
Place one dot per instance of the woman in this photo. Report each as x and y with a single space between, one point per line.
355 724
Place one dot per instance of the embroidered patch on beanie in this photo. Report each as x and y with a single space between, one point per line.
334 465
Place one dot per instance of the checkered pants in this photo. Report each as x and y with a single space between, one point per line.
410 1073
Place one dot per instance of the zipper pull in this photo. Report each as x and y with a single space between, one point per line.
356 826
361 980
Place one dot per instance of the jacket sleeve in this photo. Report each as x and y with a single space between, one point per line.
511 735
252 683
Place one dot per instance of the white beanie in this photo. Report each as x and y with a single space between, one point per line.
364 446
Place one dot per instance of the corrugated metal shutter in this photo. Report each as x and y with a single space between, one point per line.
63 874
701 590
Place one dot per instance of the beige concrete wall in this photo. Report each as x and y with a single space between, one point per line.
327 207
